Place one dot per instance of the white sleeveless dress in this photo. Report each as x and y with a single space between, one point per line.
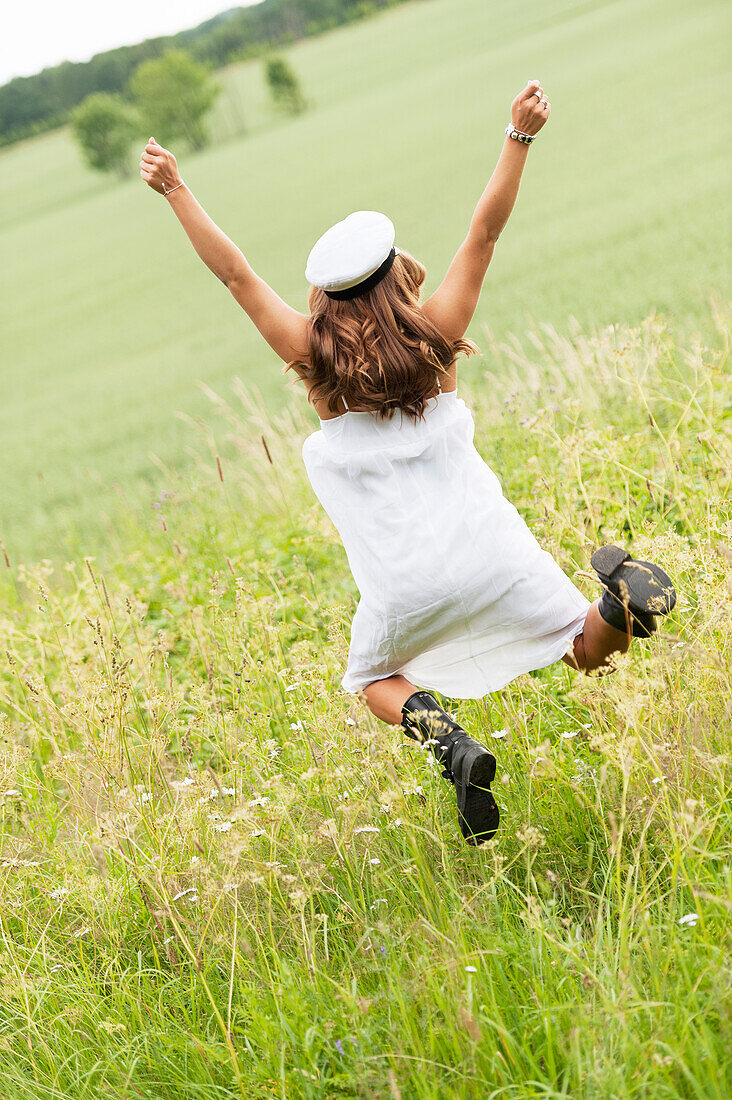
456 593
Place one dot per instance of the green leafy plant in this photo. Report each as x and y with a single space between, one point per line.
284 85
105 127
174 93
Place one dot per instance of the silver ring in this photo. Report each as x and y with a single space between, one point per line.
537 94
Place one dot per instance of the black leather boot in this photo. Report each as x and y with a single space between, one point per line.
636 592
466 763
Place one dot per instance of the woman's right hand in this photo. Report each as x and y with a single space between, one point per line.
530 109
159 168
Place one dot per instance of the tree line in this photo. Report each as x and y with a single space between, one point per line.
44 101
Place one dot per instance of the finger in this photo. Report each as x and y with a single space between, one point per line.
153 147
150 159
145 175
532 88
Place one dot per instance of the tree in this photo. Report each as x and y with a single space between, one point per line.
284 85
105 127
174 93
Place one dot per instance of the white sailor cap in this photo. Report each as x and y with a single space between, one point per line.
353 255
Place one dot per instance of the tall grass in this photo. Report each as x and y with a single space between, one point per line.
220 877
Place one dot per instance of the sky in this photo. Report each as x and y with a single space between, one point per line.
35 34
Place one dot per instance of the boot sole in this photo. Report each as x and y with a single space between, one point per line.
480 817
650 589
482 771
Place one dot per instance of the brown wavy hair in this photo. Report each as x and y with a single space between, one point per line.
379 350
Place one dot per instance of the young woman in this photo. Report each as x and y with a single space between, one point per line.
456 594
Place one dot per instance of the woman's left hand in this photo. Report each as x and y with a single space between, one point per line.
159 168
530 109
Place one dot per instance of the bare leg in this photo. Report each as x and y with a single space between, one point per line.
387 697
596 642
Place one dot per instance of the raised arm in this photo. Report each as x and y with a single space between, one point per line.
452 305
284 328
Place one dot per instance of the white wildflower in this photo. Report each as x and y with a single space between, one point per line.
222 826
261 801
689 919
499 733
568 734
298 726
182 894
58 894
375 862
11 794
471 969
257 832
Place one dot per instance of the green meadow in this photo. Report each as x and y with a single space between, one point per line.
110 322
220 877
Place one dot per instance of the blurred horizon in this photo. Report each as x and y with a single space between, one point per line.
81 29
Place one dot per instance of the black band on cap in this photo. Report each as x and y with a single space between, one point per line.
367 284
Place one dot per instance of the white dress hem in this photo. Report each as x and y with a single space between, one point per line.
445 686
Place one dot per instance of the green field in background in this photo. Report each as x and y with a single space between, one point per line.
109 320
